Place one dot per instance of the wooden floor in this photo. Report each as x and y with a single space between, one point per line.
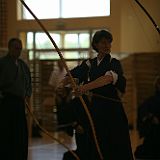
45 148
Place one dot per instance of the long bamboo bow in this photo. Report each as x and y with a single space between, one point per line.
70 76
48 134
149 16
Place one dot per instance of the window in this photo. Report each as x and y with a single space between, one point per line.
44 9
85 8
72 44
42 40
66 8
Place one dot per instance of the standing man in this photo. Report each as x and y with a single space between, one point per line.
15 89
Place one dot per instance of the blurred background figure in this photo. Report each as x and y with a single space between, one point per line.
57 75
148 124
61 97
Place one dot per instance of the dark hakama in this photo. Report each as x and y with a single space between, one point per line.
14 137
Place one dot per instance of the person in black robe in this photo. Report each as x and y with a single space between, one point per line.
101 82
15 90
148 125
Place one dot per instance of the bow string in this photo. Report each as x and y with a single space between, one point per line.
149 16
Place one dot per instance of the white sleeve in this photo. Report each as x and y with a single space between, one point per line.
114 75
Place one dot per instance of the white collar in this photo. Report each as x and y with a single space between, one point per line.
99 61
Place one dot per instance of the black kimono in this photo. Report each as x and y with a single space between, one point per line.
107 112
15 85
148 125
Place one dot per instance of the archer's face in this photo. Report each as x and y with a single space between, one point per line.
103 46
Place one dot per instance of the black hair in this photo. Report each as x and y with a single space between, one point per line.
99 35
12 40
